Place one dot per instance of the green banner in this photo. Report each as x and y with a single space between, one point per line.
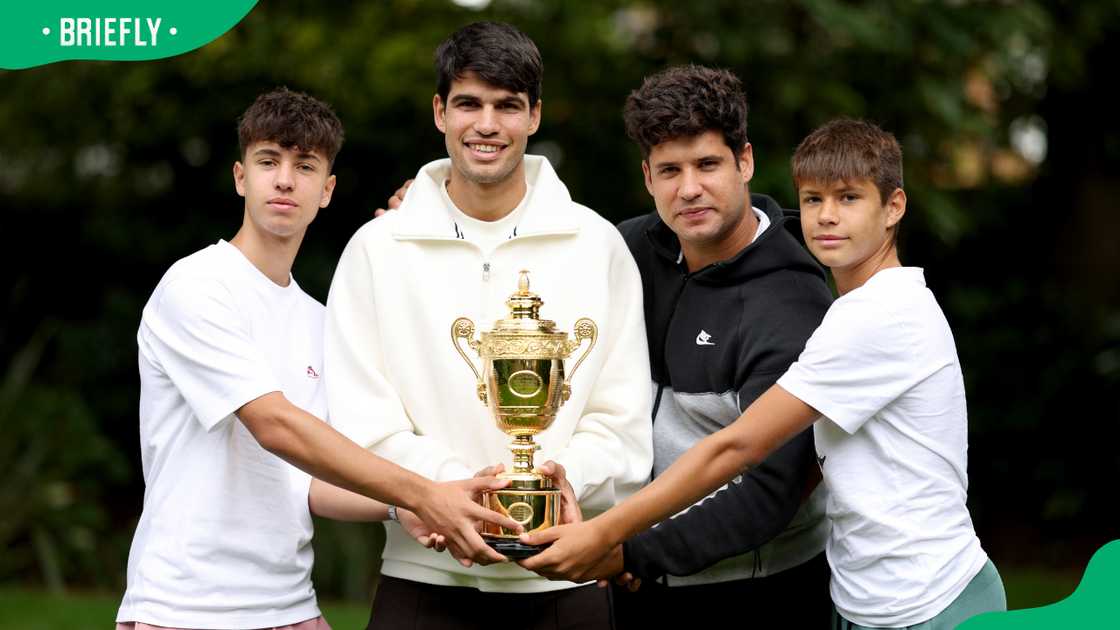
1093 605
37 33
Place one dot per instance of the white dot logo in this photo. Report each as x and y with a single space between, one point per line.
46 30
174 31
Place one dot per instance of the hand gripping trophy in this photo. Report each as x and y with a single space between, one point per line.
523 382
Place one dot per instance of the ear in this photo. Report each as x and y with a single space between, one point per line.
535 117
328 190
896 207
746 163
239 178
648 177
439 111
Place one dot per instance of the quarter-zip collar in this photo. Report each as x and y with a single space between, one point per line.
423 216
756 259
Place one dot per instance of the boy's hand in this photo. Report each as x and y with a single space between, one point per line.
420 531
451 508
613 565
394 201
576 552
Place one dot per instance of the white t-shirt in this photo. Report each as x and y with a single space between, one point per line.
224 540
882 369
486 234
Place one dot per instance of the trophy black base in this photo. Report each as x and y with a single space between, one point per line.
514 550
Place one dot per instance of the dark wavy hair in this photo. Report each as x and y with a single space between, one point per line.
847 149
684 101
292 120
498 53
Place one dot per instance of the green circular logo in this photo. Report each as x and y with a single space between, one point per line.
525 383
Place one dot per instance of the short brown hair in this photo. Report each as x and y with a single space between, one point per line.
846 149
686 101
499 53
292 120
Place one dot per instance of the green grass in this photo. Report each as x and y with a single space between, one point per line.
1032 587
23 609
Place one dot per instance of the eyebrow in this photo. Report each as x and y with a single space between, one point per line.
471 98
714 157
302 155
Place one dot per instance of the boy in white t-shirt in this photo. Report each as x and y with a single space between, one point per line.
881 381
230 359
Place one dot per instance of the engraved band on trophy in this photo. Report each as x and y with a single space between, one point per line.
523 383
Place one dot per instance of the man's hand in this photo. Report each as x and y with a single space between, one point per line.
420 531
394 201
451 508
491 471
576 552
569 507
626 580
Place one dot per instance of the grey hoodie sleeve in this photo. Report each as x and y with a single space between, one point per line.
740 518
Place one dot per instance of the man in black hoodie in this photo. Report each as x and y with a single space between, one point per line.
730 299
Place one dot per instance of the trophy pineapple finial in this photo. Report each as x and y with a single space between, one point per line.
524 304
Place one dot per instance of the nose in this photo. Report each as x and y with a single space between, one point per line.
829 214
285 176
690 187
487 122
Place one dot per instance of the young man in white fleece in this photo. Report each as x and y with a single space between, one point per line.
467 227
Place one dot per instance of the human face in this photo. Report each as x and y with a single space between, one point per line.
485 128
700 189
283 188
846 224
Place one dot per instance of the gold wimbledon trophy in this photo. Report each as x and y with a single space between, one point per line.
523 383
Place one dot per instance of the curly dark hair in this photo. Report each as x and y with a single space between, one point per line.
292 120
846 149
684 101
498 53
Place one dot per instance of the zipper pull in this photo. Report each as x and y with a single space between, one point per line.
486 272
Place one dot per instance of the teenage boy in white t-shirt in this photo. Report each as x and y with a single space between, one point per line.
230 404
881 381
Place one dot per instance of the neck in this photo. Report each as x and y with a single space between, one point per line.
697 255
487 202
857 275
271 254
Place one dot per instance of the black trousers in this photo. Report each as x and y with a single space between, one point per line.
795 598
407 605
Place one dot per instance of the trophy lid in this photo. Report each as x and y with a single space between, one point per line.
524 311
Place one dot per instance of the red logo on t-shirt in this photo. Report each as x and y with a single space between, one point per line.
311 373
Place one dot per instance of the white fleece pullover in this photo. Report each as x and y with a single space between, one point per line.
396 385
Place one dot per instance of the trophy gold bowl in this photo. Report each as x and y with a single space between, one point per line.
523 383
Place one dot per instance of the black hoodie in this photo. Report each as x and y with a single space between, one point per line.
718 338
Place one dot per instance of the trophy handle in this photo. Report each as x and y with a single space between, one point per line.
463 328
584 329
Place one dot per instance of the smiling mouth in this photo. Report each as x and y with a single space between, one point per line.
485 151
